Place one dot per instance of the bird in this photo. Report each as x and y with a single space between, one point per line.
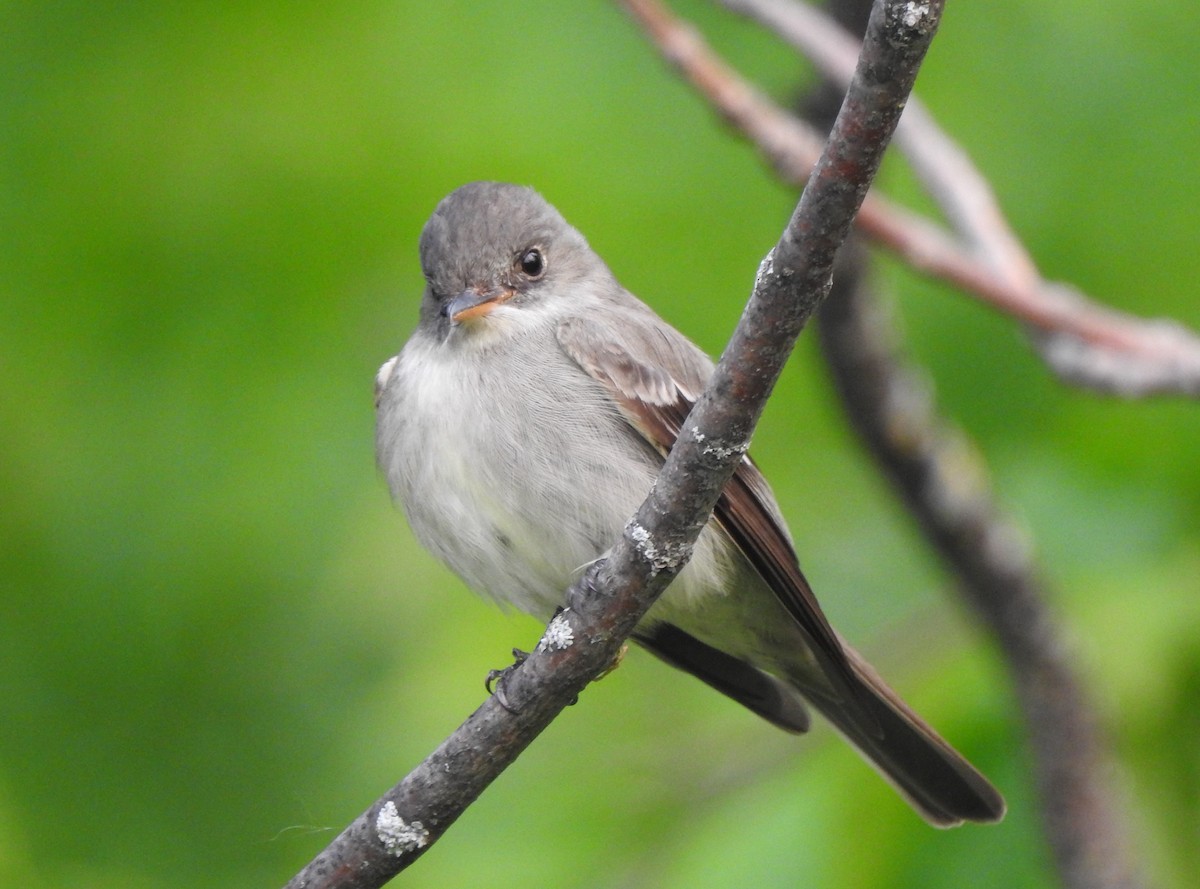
527 417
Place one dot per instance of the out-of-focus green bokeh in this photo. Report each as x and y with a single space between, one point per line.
218 641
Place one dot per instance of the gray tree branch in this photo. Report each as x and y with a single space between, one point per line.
942 479
606 605
943 482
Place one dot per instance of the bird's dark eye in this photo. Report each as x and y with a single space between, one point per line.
532 262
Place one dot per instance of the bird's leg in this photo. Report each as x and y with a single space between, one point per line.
494 682
497 677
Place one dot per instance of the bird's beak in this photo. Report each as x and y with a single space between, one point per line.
475 303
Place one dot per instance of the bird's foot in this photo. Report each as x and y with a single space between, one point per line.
497 678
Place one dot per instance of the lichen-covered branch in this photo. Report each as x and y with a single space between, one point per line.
614 594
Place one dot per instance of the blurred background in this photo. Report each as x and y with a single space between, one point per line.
218 640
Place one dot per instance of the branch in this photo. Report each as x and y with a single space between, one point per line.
615 593
1086 344
943 482
962 193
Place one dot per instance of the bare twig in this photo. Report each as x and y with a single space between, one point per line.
1084 343
962 193
606 605
943 481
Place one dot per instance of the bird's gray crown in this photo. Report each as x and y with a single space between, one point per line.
478 229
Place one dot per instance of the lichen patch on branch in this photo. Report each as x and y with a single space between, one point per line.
397 835
558 634
660 558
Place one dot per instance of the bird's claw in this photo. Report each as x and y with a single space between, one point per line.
497 678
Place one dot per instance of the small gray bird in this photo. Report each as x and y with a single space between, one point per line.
524 422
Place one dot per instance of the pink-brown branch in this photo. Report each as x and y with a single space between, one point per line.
1085 343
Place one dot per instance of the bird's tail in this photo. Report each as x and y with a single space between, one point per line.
934 777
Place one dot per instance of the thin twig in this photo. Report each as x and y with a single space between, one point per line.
961 192
615 593
1086 344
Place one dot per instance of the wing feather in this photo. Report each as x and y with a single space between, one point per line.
656 402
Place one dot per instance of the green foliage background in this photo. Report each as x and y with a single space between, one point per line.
218 642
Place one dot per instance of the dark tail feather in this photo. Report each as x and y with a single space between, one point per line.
935 778
772 699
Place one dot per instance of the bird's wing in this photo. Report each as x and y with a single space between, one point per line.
629 362
928 772
773 699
